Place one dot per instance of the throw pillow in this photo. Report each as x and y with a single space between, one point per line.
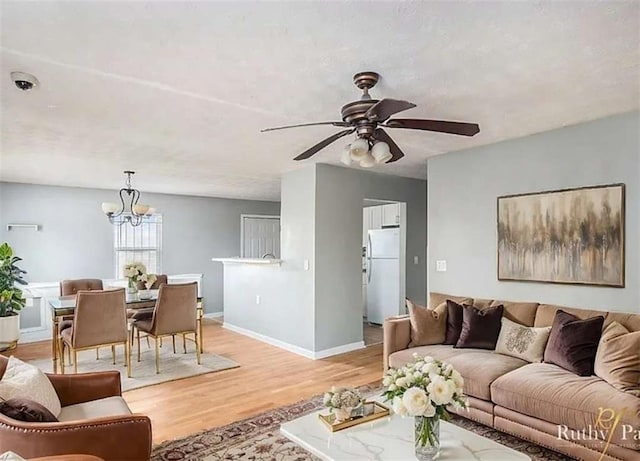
22 380
618 358
428 326
522 342
480 327
454 322
27 411
573 342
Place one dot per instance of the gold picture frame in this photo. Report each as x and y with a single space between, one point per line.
569 236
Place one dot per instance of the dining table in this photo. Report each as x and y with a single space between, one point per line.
64 306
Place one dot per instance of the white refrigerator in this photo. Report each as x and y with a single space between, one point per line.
383 274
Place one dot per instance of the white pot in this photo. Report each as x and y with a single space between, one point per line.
9 330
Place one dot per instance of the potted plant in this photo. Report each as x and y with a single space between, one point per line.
11 299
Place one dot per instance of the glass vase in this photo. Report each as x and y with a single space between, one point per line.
131 287
426 435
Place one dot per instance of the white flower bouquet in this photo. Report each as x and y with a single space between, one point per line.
133 272
423 389
342 401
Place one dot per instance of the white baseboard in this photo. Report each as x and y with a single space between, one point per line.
292 348
213 315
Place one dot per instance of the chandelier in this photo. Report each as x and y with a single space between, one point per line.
130 210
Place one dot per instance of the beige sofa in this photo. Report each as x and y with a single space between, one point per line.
530 400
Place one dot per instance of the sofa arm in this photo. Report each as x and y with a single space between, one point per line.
124 438
85 387
397 335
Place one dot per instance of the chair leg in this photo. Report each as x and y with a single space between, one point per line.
61 342
138 336
173 338
184 342
97 353
113 353
148 345
195 334
69 355
157 344
127 358
75 361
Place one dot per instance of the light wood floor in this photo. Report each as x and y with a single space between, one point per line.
268 377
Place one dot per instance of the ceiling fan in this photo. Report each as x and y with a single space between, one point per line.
367 117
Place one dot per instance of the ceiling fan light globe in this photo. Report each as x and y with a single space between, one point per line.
368 161
359 149
346 155
109 208
381 152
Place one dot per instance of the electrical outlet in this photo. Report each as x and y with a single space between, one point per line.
441 265
415 260
257 299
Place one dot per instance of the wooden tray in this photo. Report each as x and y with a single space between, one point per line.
379 411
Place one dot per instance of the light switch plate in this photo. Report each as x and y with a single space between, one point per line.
257 299
306 264
441 265
415 260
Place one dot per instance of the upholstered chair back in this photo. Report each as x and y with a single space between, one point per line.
175 309
100 318
71 287
160 280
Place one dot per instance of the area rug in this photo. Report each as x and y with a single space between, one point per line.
258 438
172 366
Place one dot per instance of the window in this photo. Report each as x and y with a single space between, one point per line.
141 243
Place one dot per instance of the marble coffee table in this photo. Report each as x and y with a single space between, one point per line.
391 438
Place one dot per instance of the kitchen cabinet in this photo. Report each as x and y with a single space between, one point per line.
390 214
375 217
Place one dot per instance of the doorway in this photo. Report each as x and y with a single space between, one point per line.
384 264
260 236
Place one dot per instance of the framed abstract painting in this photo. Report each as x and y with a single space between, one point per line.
571 236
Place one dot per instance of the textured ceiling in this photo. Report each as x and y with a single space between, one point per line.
178 91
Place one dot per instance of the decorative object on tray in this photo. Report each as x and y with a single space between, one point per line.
365 413
423 389
342 402
134 272
148 280
563 236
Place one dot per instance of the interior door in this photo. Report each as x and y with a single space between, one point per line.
260 236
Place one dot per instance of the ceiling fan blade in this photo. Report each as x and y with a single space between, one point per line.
396 153
322 144
441 126
306 124
385 108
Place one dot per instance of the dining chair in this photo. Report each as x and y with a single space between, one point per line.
99 320
174 314
71 287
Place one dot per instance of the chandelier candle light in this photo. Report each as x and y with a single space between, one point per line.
130 210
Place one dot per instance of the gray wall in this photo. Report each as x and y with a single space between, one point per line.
76 239
338 246
286 292
462 191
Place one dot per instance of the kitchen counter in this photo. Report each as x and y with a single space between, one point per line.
248 260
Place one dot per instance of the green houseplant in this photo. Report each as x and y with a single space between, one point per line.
11 299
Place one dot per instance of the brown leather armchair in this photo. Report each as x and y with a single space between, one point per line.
125 437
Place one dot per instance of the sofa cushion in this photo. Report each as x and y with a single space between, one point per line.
526 343
428 326
438 351
26 410
110 406
435 299
546 313
618 358
550 393
519 312
454 322
573 342
480 327
480 367
23 380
